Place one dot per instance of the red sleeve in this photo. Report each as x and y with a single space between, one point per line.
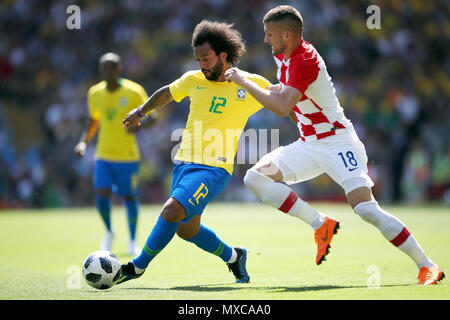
302 72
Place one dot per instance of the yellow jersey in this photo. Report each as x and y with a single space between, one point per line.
114 143
218 114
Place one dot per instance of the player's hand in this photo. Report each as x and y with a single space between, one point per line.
275 87
132 119
235 75
80 148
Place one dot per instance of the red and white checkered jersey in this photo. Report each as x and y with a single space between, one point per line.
318 113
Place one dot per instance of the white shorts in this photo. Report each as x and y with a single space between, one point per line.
343 157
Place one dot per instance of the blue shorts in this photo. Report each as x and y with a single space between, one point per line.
120 177
195 185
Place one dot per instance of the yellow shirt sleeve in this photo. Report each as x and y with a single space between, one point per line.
140 96
260 81
92 104
179 89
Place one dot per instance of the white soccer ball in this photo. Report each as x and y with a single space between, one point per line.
101 269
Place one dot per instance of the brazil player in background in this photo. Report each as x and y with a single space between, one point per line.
204 162
117 152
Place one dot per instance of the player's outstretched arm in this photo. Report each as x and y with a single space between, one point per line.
159 98
279 102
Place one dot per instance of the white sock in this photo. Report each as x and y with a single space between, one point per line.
412 248
138 270
308 214
394 231
233 256
283 198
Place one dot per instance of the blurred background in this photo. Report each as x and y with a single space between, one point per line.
392 83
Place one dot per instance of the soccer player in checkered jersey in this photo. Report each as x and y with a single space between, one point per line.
327 144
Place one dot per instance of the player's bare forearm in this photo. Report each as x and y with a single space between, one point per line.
269 99
275 101
159 98
279 102
92 128
88 134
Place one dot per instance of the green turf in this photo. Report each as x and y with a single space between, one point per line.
41 254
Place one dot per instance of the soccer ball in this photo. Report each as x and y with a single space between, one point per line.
101 269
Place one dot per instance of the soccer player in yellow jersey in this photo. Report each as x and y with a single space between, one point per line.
204 162
117 152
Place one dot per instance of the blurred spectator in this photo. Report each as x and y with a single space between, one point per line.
392 82
416 177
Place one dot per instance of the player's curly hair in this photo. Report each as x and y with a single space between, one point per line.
221 37
288 14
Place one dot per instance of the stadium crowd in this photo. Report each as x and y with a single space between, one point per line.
392 82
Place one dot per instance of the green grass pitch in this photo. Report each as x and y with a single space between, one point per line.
42 251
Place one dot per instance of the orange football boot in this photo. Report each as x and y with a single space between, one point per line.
323 236
431 275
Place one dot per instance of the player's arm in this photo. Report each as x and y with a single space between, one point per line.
279 102
277 87
88 134
159 98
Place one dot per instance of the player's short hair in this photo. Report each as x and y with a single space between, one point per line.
286 14
221 37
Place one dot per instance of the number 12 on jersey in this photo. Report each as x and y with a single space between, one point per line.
220 103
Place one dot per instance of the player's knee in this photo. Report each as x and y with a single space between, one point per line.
186 234
129 198
254 179
104 193
190 229
370 212
173 211
359 191
248 178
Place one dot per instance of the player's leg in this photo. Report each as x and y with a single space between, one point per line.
395 231
165 228
125 179
161 234
205 238
132 210
103 205
292 164
199 186
188 191
102 186
271 190
265 179
163 231
345 161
